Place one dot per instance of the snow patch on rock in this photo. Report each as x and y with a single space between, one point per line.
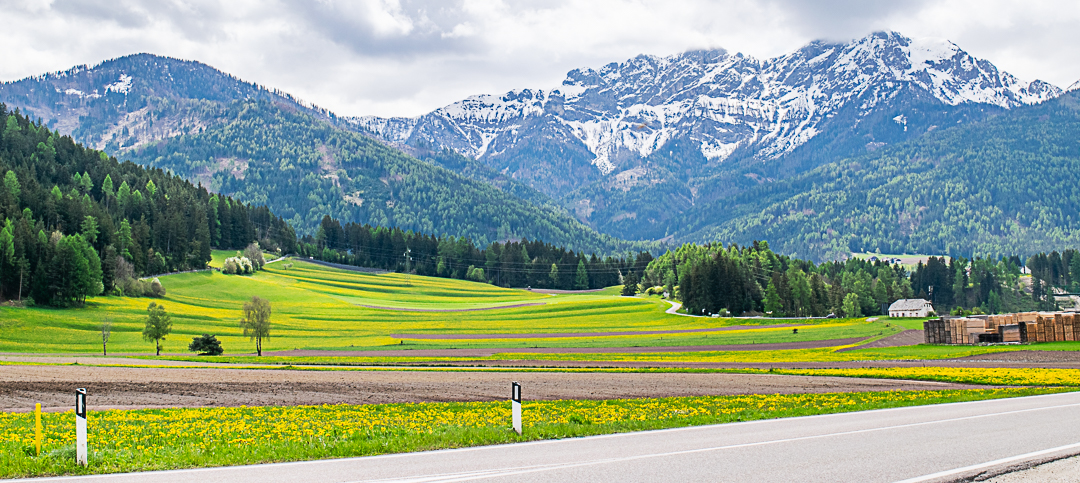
719 101
121 86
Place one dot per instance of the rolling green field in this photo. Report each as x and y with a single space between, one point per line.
316 307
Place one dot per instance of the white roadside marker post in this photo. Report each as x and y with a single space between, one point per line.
80 426
515 401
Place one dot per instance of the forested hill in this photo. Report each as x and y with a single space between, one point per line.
134 99
74 220
1009 185
304 169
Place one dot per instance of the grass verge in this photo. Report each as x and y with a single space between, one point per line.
160 439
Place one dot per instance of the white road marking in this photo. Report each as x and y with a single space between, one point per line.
482 474
988 464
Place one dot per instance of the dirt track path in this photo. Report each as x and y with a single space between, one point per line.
907 337
121 387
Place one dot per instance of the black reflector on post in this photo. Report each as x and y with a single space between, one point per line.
80 402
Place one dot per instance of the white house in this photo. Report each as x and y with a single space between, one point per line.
911 308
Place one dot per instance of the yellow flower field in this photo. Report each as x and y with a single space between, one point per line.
134 440
970 375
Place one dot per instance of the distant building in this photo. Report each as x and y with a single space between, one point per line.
911 308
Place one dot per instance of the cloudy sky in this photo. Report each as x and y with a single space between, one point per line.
406 57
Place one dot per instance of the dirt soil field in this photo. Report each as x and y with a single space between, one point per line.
124 387
907 337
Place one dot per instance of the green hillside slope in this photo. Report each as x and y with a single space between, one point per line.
1006 185
304 169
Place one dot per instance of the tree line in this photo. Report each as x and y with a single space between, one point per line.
512 263
714 279
75 222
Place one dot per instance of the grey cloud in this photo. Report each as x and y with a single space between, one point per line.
196 20
352 28
842 19
124 14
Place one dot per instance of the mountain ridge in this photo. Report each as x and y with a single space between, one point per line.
726 115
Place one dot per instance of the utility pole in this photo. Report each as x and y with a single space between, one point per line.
408 272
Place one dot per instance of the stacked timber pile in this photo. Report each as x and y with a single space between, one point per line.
1022 327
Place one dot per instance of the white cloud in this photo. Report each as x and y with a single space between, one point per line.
406 57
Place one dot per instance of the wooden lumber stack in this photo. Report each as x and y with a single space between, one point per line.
972 329
1033 332
1010 333
1070 328
934 331
1022 327
1048 323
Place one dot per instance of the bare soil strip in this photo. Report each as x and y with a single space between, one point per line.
402 309
810 344
907 337
583 334
123 387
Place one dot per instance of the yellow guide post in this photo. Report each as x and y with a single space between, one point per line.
37 427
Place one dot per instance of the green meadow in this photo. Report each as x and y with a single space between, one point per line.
317 307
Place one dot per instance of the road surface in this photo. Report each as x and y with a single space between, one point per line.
929 443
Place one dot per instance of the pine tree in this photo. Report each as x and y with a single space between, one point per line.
630 287
12 187
773 304
7 253
89 229
581 280
123 240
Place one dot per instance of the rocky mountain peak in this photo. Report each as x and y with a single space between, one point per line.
724 103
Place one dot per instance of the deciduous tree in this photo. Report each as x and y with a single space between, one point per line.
256 321
158 325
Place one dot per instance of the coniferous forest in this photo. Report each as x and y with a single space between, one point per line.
77 223
713 279
520 263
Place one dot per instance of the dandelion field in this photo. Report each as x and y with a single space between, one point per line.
158 439
1028 376
322 308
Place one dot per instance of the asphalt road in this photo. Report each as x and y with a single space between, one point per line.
929 443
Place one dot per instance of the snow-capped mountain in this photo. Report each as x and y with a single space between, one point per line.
723 103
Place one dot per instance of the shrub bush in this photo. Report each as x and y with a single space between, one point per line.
254 255
156 289
237 266
207 345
